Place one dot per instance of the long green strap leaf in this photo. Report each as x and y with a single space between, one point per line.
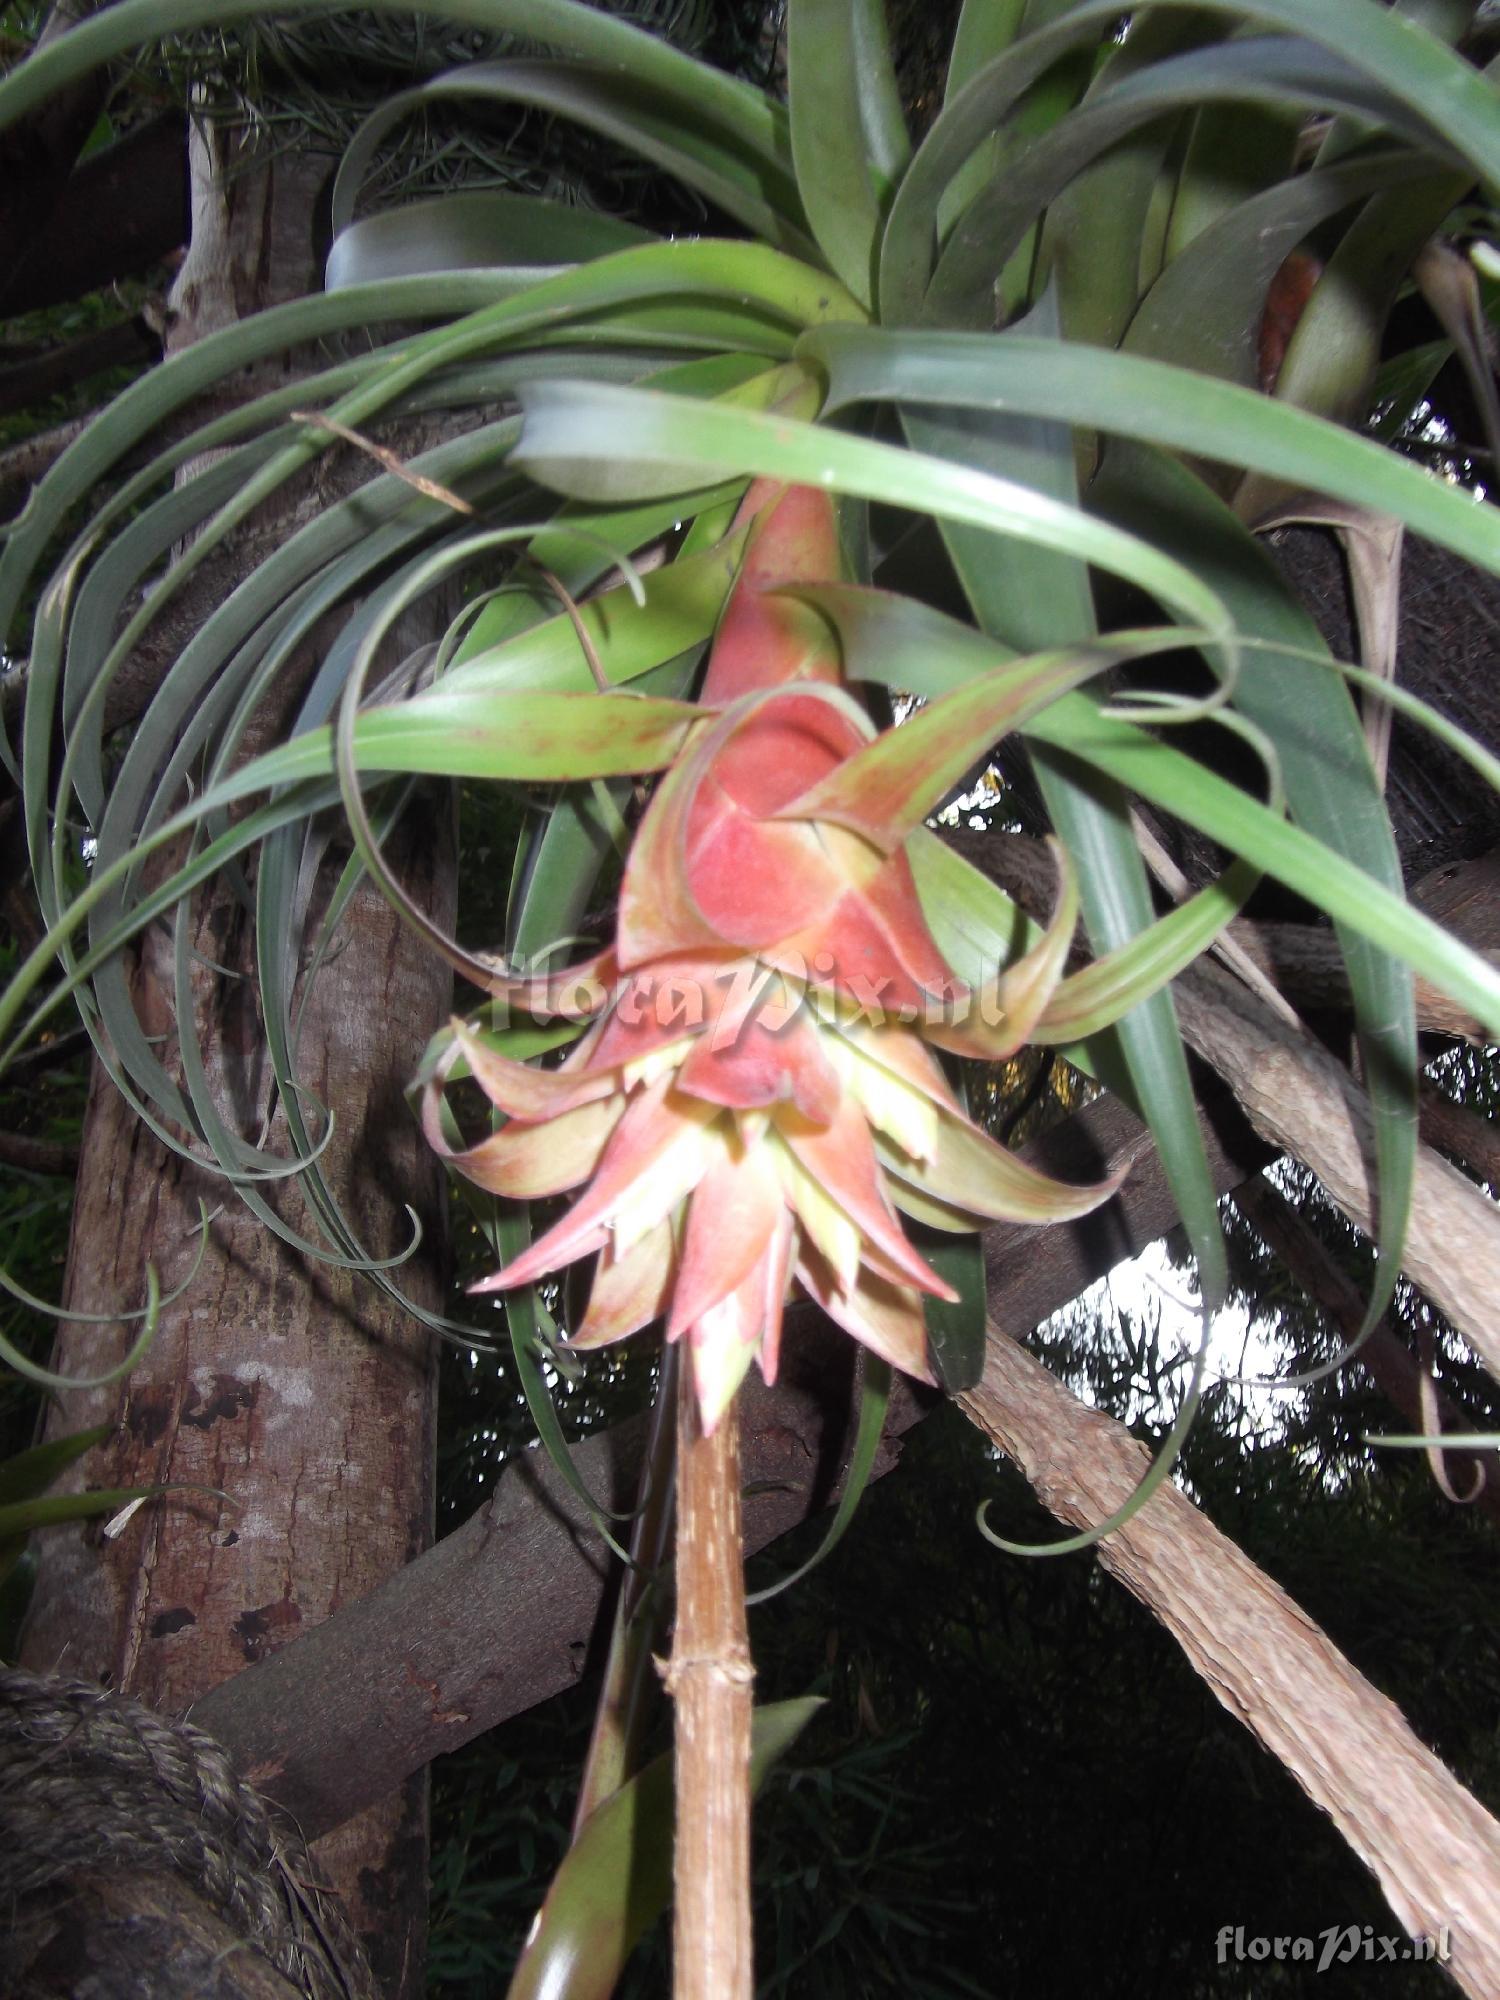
1331 787
1096 997
1269 69
1043 600
25 1474
746 278
1133 397
1351 897
935 652
651 435
1399 55
676 134
1100 239
588 34
146 405
616 1878
828 137
470 229
1204 312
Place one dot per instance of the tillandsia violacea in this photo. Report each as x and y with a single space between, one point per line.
1057 292
756 1096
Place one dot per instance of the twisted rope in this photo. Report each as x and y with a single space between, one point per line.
95 1781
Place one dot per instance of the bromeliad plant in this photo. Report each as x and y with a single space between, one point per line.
755 1098
1037 334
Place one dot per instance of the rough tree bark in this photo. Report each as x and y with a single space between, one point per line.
305 1394
1434 1849
1298 1098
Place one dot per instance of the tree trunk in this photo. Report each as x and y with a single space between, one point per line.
303 1393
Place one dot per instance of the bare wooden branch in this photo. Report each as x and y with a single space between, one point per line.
23 463
45 1055
122 341
1304 960
1301 1100
1461 1133
1383 1355
1434 1849
37 1156
711 1682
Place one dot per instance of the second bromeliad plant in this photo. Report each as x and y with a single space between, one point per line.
1053 302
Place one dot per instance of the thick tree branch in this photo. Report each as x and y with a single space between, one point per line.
498 1616
1383 1354
124 340
37 1156
47 1055
22 464
1306 963
1303 1102
1456 1130
1434 1849
1304 960
122 210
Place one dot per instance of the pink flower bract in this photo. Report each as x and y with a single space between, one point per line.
753 1099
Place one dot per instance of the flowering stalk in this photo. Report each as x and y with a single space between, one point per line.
711 1683
754 1098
